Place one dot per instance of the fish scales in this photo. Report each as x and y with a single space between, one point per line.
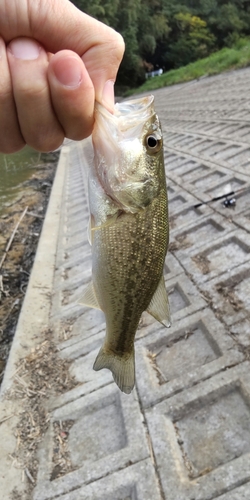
129 230
127 272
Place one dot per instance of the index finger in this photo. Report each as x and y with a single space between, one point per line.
60 25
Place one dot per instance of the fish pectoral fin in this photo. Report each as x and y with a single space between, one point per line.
110 220
122 368
159 305
89 297
90 226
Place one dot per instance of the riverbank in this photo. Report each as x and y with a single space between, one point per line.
15 270
227 59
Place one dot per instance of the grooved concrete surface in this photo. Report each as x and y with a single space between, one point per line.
184 433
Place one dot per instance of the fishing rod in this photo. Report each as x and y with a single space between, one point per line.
229 201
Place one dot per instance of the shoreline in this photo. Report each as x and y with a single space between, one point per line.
16 268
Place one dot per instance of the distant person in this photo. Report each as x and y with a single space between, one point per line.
46 97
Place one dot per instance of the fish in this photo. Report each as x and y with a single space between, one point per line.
128 230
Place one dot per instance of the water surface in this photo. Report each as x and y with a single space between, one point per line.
14 170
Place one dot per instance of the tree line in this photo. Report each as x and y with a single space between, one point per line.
167 33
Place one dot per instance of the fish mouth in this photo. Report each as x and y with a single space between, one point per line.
120 152
128 116
125 124
136 107
131 106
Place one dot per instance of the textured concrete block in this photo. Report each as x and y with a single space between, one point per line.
241 158
83 331
106 433
206 441
170 361
136 482
241 493
172 267
195 234
229 183
173 160
217 257
201 183
193 172
244 220
202 436
241 332
210 148
229 294
188 215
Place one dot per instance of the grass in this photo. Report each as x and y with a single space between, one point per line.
224 60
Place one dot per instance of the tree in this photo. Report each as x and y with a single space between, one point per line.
131 70
228 23
192 40
105 11
169 33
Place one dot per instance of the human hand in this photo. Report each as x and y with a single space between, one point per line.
55 61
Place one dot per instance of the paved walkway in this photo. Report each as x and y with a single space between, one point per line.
184 433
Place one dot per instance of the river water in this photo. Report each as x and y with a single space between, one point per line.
14 170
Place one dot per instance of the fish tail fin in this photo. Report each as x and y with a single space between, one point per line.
122 368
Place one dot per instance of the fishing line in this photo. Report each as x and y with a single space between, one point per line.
229 201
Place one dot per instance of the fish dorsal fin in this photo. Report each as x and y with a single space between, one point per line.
159 306
89 297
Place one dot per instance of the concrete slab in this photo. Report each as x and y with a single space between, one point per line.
193 234
123 485
229 294
107 434
217 257
202 436
172 360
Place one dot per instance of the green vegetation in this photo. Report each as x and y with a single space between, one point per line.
223 60
170 34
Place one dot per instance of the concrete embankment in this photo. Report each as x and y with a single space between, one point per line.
66 431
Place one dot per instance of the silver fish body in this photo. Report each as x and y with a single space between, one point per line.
129 230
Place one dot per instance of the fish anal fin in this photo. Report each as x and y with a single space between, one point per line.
89 298
122 368
159 306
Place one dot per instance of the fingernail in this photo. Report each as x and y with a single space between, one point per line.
25 48
68 71
108 96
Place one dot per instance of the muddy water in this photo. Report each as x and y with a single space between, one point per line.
14 170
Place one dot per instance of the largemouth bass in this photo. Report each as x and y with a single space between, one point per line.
129 230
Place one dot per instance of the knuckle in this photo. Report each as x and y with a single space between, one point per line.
120 45
32 93
116 46
45 142
79 134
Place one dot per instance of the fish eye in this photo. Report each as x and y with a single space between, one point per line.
153 144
